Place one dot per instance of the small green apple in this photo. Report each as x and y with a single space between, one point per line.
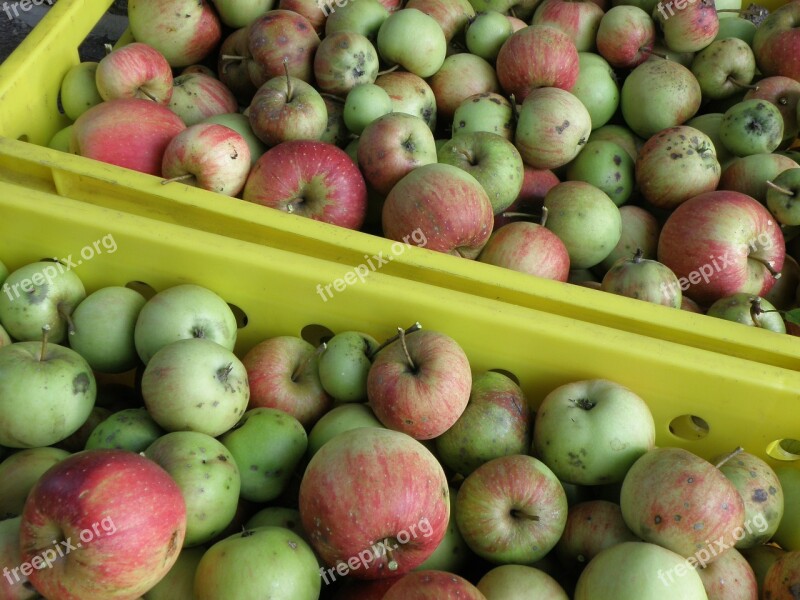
344 365
129 429
597 88
751 127
277 516
487 32
5 339
724 67
179 580
709 124
364 17
60 141
338 420
484 112
520 582
619 134
79 90
782 197
19 472
365 103
607 166
744 29
240 13
414 40
748 310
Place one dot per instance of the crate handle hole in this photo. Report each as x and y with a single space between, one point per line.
23 138
143 288
316 334
786 449
241 316
508 374
689 427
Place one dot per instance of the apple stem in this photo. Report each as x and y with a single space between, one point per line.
512 13
514 111
518 214
289 89
415 327
405 348
148 94
108 48
742 84
389 70
45 335
659 55
518 514
756 310
232 57
302 366
637 257
729 456
68 318
178 178
392 564
768 266
545 213
780 189
332 97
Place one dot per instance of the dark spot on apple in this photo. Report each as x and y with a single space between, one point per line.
561 128
690 480
760 495
657 520
617 176
292 544
772 491
677 518
476 99
675 156
617 160
254 467
81 384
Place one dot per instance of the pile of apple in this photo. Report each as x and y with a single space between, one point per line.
352 470
553 137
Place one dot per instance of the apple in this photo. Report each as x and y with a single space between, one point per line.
730 576
364 17
336 132
496 422
516 24
776 40
234 567
61 139
552 128
461 76
657 95
281 42
420 384
365 103
240 13
748 310
359 589
135 71
621 135
212 157
625 36
743 29
13 586
689 29
782 578
783 294
414 40
452 554
316 11
607 166
182 312
724 67
518 582
579 20
447 205
484 112
585 219
784 93
233 66
511 509
452 15
311 179
596 87
750 174
129 133
760 559
410 94
277 516
486 33
184 31
787 536
19 472
241 125
354 503
128 429
751 127
344 365
636 570
676 164
40 294
109 508
529 248
535 185
283 373
678 500
721 243
344 60
643 279
338 420
432 585
781 195
179 580
492 160
709 124
195 385
551 61
196 97
207 476
79 89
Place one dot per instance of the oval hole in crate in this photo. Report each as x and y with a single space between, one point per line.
689 427
241 316
143 288
316 334
23 138
508 374
786 449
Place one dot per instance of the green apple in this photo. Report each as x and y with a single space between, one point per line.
744 29
352 149
724 67
13 585
751 127
179 580
19 472
497 422
129 429
643 279
709 124
241 125
338 420
79 90
487 32
240 13
344 365
492 160
104 324
452 554
597 88
3 272
647 6
413 40
208 478
787 535
640 230
267 445
46 393
60 141
183 312
484 112
5 339
748 310
364 17
585 219
619 134
37 295
520 582
336 132
411 95
235 567
365 103
607 166
782 196
277 516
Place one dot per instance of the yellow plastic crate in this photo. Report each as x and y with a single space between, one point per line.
743 402
29 84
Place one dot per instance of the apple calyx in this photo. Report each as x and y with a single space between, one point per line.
45 334
520 514
415 327
183 177
302 366
584 403
780 189
401 332
223 373
741 84
729 456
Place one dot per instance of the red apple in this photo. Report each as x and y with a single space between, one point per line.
373 589
776 43
626 36
784 93
281 37
234 72
578 19
311 179
461 76
528 248
722 243
690 28
749 174
452 15
433 585
410 94
516 24
551 60
129 133
535 185
196 97
374 502
729 578
118 521
420 384
446 204
310 9
135 71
